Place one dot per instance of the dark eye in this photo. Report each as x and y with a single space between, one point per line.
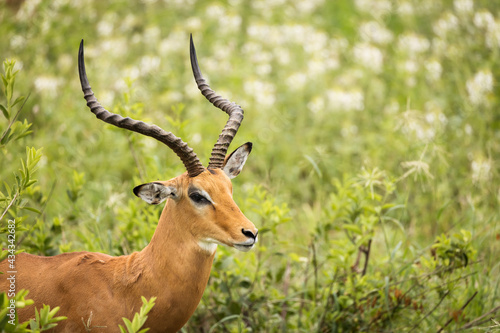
198 198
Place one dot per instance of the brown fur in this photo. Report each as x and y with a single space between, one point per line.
173 267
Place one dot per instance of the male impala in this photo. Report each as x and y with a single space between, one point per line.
199 214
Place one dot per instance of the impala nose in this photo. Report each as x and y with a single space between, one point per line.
250 234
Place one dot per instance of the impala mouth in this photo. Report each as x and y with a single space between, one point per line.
243 248
246 246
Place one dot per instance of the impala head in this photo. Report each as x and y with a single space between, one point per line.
201 198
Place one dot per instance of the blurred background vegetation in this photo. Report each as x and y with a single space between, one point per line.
374 178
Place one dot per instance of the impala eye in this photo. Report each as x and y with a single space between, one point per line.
198 198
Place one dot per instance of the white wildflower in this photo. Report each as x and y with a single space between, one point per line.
373 31
316 66
316 42
229 23
439 46
263 69
128 23
430 117
468 129
114 46
481 170
392 108
307 6
116 200
252 48
175 42
338 44
265 5
196 138
374 7
349 131
447 23
104 28
27 10
132 73
47 85
412 123
345 100
184 3
405 9
316 105
149 64
479 86
65 62
262 92
215 11
193 23
493 35
413 43
442 118
106 97
411 67
434 70
282 55
17 41
418 167
152 34
463 6
296 81
484 19
369 56
261 57
174 96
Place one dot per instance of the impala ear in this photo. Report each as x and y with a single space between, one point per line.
155 193
236 160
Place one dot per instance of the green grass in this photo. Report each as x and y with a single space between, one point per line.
375 126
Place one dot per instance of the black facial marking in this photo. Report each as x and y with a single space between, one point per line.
196 196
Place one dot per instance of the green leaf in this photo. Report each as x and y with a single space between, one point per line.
18 100
5 112
353 228
33 210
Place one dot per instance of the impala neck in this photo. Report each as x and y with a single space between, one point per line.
176 267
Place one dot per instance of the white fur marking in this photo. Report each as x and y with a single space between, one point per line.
209 246
205 194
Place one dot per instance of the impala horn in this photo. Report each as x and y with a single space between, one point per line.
185 153
234 111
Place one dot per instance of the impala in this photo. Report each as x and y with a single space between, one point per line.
175 266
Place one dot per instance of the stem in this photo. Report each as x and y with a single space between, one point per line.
136 160
315 264
367 257
42 211
10 204
302 301
14 119
461 309
430 312
479 319
286 284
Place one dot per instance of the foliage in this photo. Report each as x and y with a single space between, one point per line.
140 318
13 205
20 302
45 319
374 179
